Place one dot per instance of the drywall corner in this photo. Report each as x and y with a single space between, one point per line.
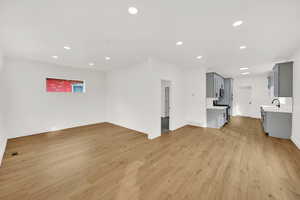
195 96
296 141
2 149
3 133
296 100
152 137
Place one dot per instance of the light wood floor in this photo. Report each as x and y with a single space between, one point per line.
105 161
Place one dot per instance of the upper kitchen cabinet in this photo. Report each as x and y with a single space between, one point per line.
283 79
214 85
228 93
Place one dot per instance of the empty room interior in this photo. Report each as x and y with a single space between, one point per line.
150 100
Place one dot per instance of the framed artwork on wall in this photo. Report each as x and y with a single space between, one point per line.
63 85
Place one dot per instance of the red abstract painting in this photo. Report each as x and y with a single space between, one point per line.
62 85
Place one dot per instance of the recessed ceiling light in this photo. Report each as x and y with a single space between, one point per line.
243 47
245 73
237 23
91 64
199 57
67 47
179 43
107 58
55 57
133 10
244 68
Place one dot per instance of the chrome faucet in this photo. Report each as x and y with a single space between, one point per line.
278 102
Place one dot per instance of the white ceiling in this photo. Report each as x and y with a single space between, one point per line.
38 29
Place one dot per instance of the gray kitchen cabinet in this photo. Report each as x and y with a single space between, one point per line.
222 80
228 94
277 124
214 82
283 79
275 78
210 83
227 99
263 120
222 119
216 118
216 86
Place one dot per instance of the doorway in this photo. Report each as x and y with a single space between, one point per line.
165 105
244 101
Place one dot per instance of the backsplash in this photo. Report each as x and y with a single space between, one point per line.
210 101
286 102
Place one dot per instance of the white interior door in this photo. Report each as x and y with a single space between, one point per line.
244 101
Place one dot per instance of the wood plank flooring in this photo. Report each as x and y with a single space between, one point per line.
108 162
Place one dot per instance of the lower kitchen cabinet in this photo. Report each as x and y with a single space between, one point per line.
216 118
277 124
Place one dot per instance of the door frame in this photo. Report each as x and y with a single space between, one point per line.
170 102
249 110
167 108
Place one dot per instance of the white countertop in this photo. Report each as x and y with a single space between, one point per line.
276 109
216 107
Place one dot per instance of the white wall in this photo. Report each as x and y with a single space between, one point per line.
3 133
33 110
296 106
128 97
129 102
134 96
260 93
163 71
195 96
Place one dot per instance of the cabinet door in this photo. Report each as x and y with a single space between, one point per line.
210 83
222 83
219 85
276 80
222 118
285 77
216 86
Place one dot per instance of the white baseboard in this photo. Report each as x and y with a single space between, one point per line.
202 125
53 129
296 142
150 137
